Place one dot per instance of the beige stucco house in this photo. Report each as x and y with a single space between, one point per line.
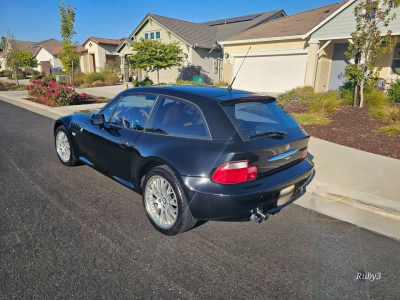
48 60
307 48
95 52
202 54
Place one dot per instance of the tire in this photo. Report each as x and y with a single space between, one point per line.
66 154
184 220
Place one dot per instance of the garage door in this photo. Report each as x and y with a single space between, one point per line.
276 73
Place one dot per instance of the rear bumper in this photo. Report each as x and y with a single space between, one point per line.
212 201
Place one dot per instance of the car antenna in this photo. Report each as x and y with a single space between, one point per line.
230 86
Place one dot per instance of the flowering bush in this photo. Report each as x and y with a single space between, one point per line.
53 93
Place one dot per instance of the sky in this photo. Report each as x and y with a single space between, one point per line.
36 20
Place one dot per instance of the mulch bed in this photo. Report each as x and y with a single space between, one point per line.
89 100
353 127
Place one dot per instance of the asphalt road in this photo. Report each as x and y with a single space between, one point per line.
72 233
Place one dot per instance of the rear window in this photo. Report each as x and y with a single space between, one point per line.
255 119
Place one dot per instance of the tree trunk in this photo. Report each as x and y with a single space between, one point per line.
158 77
16 77
361 93
355 97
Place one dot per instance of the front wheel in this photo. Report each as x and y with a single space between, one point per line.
64 148
165 202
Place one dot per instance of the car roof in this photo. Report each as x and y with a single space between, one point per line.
211 92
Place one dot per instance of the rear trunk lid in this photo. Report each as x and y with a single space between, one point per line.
272 138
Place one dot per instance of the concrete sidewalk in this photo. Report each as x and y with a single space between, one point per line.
21 81
344 175
103 91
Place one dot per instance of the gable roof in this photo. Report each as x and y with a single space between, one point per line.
50 42
294 25
345 4
124 41
231 26
204 34
98 40
189 32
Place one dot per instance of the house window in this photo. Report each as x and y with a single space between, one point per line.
396 60
153 35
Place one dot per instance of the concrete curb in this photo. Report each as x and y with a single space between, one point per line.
382 206
51 112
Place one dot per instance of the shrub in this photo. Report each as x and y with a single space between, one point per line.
387 113
300 94
393 129
84 86
11 86
47 80
5 73
394 91
20 75
188 82
53 93
145 82
97 83
222 83
79 78
325 102
32 72
92 77
312 119
375 98
111 79
38 76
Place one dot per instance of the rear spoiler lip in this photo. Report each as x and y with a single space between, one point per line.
257 98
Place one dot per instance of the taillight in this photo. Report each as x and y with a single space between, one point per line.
235 172
304 153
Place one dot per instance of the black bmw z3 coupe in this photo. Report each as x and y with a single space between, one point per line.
193 152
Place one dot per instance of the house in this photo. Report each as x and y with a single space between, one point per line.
48 61
307 48
33 47
279 58
96 51
331 39
199 43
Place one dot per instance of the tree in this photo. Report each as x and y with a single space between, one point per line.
3 43
68 55
152 55
369 44
17 59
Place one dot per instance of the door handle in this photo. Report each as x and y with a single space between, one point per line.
123 143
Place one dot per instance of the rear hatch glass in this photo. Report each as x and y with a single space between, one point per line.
259 118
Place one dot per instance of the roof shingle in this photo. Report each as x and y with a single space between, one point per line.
297 24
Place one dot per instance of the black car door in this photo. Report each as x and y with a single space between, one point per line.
110 146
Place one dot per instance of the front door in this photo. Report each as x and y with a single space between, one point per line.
337 76
110 146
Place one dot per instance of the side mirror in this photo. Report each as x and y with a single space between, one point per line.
97 119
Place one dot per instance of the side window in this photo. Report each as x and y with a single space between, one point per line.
158 36
133 110
109 110
178 118
146 36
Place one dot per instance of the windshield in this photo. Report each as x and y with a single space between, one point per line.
258 119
